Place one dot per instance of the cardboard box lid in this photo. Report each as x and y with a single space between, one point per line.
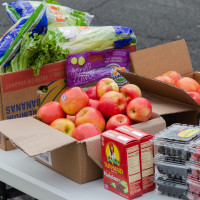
182 101
32 136
155 61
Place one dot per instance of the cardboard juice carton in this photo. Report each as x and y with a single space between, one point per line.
146 153
121 164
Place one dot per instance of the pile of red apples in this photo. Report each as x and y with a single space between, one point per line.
82 114
188 84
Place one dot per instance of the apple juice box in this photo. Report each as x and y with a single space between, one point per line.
121 164
146 154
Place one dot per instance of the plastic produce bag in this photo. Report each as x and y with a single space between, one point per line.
82 70
55 13
96 38
10 42
59 42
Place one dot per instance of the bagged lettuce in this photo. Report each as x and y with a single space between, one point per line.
59 42
11 40
55 13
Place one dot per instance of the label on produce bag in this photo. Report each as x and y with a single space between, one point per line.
89 67
45 157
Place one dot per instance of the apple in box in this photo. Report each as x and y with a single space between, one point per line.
165 79
173 75
64 125
106 85
90 115
188 84
73 100
93 103
50 112
116 121
112 103
139 109
92 93
130 92
195 96
85 131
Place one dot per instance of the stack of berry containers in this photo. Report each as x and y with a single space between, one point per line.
173 157
193 179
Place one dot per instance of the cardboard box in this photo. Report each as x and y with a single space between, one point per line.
79 161
171 102
146 150
121 164
21 93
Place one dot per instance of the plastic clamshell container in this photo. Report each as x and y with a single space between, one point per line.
195 150
195 168
193 184
174 141
172 188
174 170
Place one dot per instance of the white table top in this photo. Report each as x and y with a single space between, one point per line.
31 177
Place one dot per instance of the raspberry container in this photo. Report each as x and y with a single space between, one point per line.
193 185
193 196
174 170
174 141
172 188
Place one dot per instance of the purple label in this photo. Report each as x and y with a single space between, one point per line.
81 71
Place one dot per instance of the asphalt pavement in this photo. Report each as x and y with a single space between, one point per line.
154 22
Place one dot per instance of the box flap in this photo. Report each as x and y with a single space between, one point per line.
152 126
155 61
93 146
162 89
32 136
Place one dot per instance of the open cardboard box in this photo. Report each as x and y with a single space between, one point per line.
171 102
20 94
80 161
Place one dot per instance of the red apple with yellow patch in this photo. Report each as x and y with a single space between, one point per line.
90 115
188 84
92 93
106 85
195 96
165 79
85 131
50 112
130 92
64 125
173 75
139 109
93 103
116 121
73 100
112 103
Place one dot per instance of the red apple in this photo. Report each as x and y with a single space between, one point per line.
71 117
139 109
173 75
106 85
64 125
112 103
50 112
131 91
92 93
198 91
166 79
188 84
116 121
90 115
93 103
73 100
195 96
85 131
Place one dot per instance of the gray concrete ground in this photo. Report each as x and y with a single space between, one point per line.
153 21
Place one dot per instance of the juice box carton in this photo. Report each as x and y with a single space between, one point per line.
121 164
146 154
